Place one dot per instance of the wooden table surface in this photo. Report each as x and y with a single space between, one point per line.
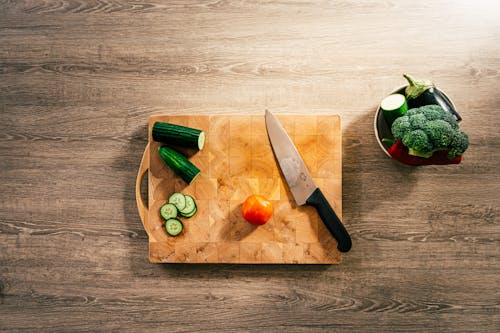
78 81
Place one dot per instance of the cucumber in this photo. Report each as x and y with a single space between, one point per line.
190 213
190 207
393 106
168 211
179 200
178 135
173 227
179 164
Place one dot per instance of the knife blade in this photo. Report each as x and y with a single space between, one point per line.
300 181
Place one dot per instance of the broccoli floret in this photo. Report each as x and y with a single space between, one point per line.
459 143
428 129
403 126
418 140
418 121
440 132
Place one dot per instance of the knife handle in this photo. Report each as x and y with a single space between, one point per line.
330 219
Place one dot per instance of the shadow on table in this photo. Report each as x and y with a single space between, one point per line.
366 168
370 180
129 162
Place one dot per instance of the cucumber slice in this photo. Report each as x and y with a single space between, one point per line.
173 227
190 205
168 211
179 164
178 135
393 106
190 213
179 200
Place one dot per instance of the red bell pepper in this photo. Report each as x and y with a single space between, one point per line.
399 152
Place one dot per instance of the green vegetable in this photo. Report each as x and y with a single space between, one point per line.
184 205
393 106
181 204
179 164
190 207
416 87
179 200
168 211
190 214
428 129
173 227
178 135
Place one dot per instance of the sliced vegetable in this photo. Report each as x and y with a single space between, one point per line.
173 227
393 106
178 135
179 164
181 204
187 215
190 207
423 92
168 211
178 199
257 209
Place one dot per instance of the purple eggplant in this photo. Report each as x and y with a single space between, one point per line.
424 92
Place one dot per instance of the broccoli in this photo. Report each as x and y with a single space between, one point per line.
430 128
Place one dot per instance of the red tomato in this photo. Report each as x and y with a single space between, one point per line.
256 209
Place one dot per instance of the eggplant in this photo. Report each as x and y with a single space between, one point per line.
424 92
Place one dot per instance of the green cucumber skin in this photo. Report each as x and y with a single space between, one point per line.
179 164
176 135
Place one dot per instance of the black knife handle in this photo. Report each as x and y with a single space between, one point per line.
330 219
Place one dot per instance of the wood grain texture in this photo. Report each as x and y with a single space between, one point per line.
79 80
236 162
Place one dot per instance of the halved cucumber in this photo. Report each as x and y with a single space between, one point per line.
179 164
179 200
173 227
168 211
178 135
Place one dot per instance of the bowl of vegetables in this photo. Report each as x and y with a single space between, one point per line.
417 124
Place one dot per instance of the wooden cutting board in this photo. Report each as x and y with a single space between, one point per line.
237 161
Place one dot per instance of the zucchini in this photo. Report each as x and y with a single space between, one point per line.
179 164
173 227
168 211
393 106
178 135
179 200
190 207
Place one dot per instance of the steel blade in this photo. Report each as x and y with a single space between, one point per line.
293 168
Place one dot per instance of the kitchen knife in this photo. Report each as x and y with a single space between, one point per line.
300 182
